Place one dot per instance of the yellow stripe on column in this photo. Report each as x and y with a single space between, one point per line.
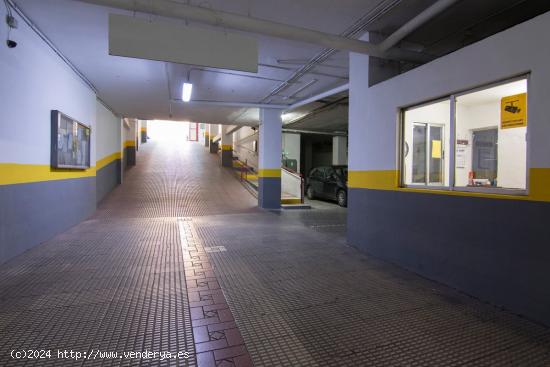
227 147
144 129
129 143
269 173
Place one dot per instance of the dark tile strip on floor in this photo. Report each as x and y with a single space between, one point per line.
218 342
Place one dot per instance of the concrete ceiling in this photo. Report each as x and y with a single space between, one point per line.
147 89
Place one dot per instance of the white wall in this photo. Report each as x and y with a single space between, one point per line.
512 159
129 129
243 145
108 132
34 81
291 146
374 111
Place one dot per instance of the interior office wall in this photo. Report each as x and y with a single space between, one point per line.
108 151
37 201
494 247
512 155
243 146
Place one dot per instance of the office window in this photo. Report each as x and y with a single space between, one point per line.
491 146
425 144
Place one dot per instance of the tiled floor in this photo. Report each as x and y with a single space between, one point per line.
179 258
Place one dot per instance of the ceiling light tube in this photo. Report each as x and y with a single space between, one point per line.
186 92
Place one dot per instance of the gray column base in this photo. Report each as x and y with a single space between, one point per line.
107 178
144 136
130 154
269 192
213 147
227 158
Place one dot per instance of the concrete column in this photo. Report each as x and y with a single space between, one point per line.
227 147
143 131
214 130
339 150
130 137
207 135
269 160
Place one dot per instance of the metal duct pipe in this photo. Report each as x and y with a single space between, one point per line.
317 97
414 23
300 131
242 23
233 104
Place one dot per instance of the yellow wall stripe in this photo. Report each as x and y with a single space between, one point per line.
227 147
144 129
106 160
539 185
13 173
269 173
377 180
129 143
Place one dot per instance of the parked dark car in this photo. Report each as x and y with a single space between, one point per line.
328 183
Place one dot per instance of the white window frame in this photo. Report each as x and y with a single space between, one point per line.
450 155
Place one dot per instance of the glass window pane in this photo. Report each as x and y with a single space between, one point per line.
419 153
491 146
436 154
424 144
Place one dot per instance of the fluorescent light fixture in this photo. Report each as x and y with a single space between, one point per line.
186 92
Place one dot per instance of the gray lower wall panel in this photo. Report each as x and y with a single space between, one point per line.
32 213
496 250
227 158
269 192
107 178
129 156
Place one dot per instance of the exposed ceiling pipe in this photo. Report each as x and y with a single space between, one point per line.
213 17
415 23
279 67
233 104
317 97
355 30
300 131
301 89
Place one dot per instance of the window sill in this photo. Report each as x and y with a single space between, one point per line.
469 191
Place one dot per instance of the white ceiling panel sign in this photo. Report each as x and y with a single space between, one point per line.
153 40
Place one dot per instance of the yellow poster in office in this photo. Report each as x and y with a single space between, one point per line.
513 111
436 149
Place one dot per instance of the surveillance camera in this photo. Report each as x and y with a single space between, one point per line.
11 43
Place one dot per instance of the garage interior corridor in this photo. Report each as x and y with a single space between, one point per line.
145 272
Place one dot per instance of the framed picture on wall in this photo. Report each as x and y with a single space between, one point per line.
70 142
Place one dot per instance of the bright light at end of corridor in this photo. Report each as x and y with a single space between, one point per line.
186 92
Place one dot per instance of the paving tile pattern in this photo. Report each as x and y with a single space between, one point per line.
218 342
301 297
117 282
179 258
